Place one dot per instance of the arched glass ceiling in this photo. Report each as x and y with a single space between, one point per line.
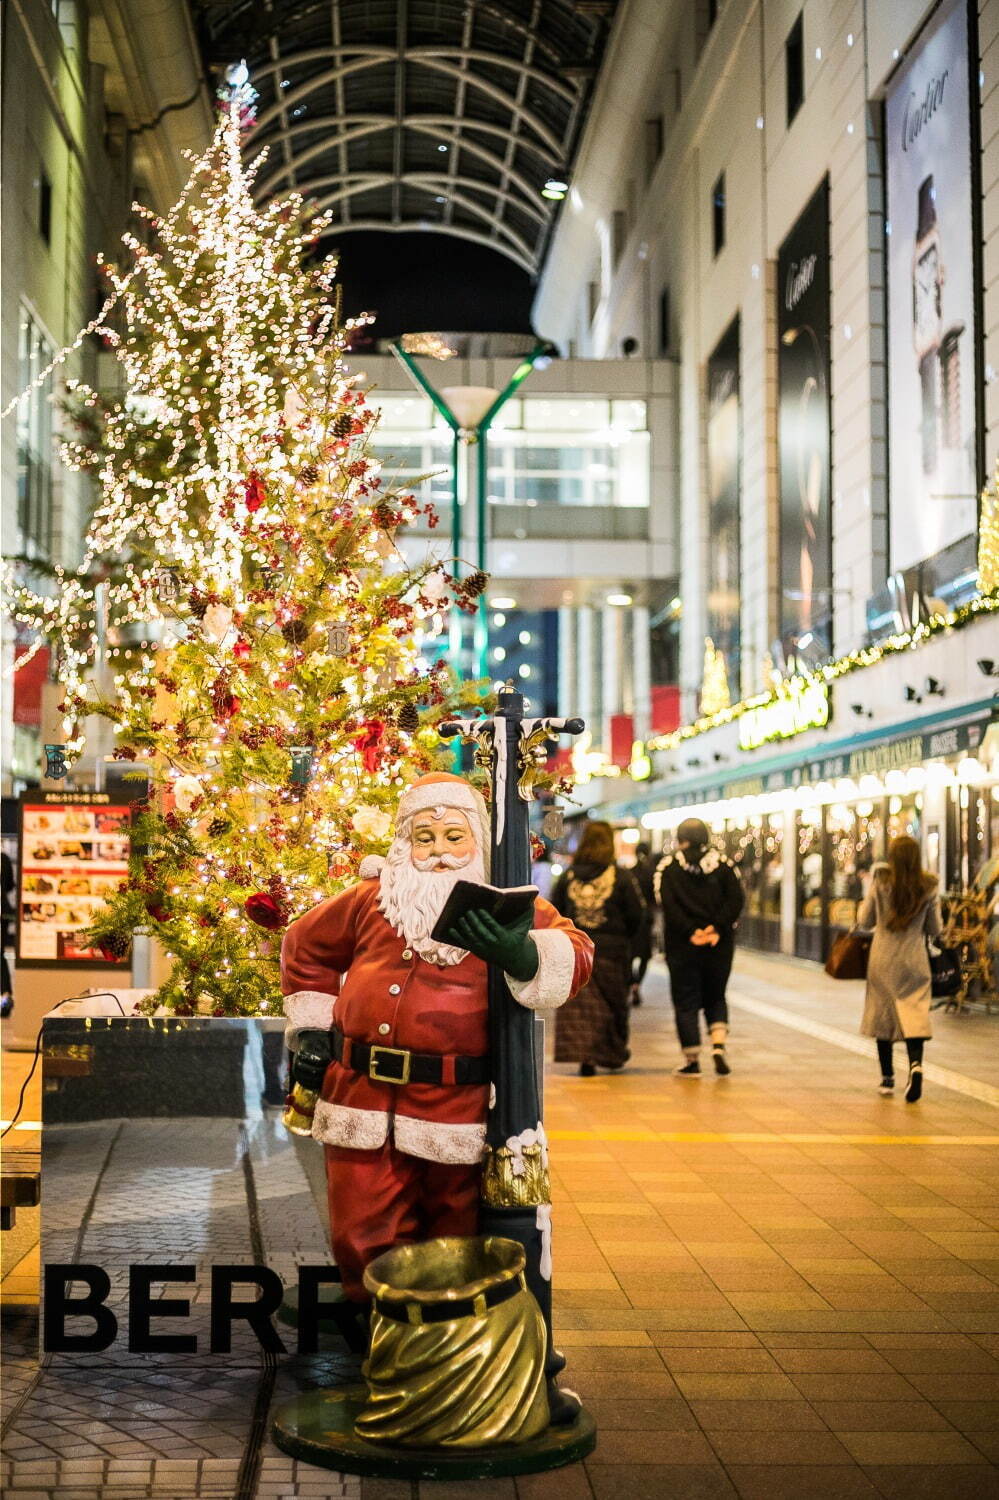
443 115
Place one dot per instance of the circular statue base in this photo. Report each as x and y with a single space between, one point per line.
319 1428
337 1318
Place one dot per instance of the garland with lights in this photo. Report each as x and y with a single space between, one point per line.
866 656
242 615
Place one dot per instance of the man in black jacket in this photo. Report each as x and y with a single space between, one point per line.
701 898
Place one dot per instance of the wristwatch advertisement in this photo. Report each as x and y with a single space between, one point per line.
933 444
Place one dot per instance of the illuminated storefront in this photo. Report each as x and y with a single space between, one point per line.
805 829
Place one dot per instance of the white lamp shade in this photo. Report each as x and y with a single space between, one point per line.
469 402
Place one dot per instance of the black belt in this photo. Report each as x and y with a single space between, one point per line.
446 1310
399 1065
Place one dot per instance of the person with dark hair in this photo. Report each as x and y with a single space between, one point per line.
643 875
903 907
604 902
701 898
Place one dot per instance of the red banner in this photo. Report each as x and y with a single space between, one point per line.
28 681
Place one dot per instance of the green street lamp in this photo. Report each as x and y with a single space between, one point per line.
469 412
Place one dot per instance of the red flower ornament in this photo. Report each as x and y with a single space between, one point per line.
265 911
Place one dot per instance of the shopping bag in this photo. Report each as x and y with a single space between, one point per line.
849 954
945 972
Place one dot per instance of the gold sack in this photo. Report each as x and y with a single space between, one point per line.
473 1380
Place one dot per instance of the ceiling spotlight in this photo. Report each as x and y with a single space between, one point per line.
555 188
502 603
988 667
911 696
620 600
861 711
441 146
934 687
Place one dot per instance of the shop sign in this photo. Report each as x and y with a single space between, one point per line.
802 706
895 755
953 741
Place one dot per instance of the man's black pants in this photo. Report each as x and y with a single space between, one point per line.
698 977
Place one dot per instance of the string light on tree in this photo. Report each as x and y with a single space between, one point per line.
263 657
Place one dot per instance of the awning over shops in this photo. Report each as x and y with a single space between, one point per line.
933 736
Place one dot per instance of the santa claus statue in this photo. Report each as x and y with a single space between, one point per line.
402 1111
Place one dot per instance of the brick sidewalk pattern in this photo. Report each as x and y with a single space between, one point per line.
773 1285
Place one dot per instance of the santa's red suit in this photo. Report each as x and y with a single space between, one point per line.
403 1159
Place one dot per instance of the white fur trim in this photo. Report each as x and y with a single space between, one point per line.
552 984
371 866
434 1141
310 1010
339 1125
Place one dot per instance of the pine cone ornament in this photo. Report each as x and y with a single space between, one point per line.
476 583
115 946
408 718
383 516
198 604
343 424
308 476
217 827
295 631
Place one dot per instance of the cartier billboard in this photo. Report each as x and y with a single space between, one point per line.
933 444
803 432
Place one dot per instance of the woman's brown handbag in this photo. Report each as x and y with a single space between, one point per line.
849 954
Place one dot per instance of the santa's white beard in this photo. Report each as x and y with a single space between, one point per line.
411 899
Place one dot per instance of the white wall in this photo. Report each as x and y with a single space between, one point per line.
732 119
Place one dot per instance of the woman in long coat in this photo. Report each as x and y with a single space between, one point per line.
605 903
903 907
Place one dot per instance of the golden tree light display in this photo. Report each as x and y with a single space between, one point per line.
714 680
988 538
243 535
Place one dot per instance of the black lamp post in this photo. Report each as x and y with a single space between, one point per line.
516 1197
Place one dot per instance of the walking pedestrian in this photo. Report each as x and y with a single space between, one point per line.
605 903
643 875
701 898
903 907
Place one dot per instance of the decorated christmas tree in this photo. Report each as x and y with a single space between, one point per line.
988 538
714 680
263 632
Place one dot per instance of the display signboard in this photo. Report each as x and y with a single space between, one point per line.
804 433
932 410
73 853
724 485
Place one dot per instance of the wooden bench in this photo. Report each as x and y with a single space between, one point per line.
20 1183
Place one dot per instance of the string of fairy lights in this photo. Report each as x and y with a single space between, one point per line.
240 524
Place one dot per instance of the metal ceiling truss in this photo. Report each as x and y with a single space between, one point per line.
357 97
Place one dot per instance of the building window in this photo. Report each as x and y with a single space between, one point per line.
718 214
794 66
653 144
45 207
665 331
34 441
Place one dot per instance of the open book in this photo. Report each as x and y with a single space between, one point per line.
470 895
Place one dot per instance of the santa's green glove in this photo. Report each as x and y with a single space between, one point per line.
508 947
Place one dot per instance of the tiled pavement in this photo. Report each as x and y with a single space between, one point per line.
778 1284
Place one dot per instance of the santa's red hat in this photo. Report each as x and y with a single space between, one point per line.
440 789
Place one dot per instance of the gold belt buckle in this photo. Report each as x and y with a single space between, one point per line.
373 1064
